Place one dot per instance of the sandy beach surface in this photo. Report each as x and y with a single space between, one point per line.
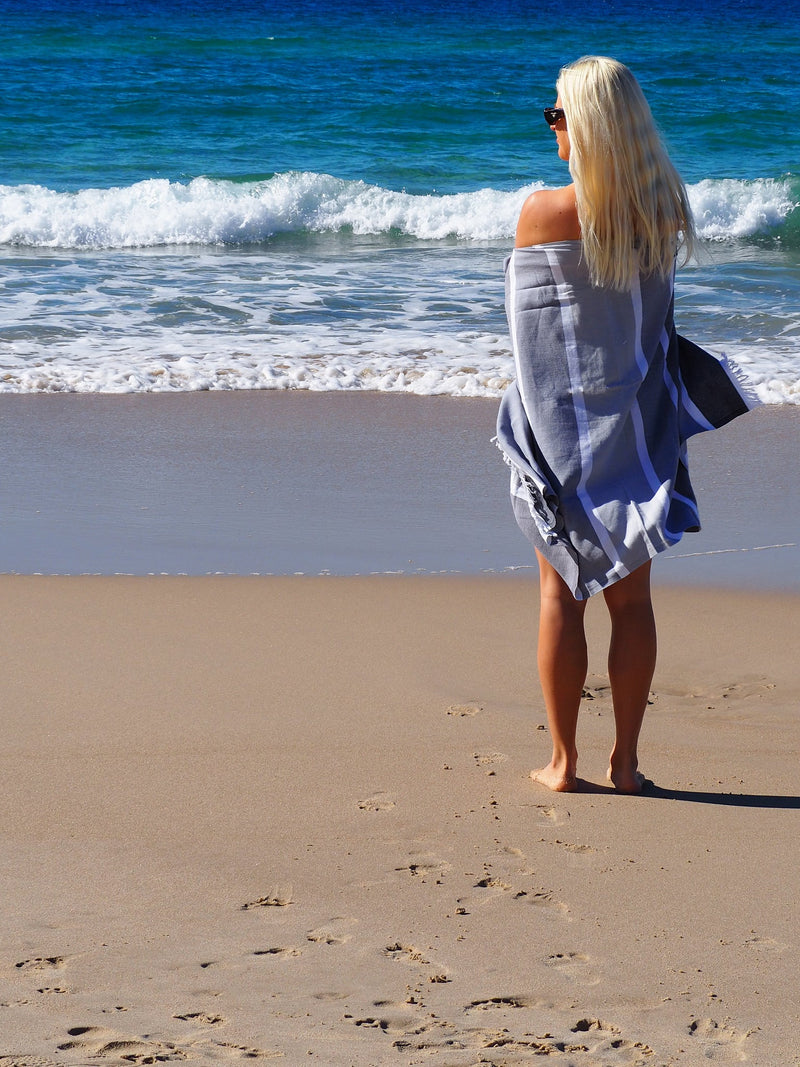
290 818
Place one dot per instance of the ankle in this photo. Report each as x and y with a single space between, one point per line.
622 761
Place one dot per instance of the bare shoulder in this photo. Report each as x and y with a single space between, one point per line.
548 215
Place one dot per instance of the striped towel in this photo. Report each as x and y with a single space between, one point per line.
595 426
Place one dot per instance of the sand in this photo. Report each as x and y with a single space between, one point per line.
254 818
290 818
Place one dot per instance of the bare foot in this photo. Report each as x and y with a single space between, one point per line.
631 782
558 781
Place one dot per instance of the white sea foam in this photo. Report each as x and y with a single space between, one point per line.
469 364
97 297
728 208
466 365
158 213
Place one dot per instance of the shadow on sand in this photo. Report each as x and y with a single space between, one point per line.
698 796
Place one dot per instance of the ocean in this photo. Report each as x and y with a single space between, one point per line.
303 194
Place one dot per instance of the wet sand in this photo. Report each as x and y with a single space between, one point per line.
347 483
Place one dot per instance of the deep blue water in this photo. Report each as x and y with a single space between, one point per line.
320 195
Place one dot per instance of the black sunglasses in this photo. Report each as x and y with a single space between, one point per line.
553 114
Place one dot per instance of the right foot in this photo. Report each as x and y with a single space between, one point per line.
558 781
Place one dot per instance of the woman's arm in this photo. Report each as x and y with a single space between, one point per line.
548 215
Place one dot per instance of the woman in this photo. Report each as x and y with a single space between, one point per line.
594 428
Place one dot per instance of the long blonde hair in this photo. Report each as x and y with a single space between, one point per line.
632 205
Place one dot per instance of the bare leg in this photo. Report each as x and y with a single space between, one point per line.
563 664
631 663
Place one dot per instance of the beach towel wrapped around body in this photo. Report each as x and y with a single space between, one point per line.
595 426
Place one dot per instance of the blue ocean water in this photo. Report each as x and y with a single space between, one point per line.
307 194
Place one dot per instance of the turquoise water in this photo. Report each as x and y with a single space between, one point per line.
317 195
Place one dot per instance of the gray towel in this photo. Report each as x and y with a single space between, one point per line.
595 426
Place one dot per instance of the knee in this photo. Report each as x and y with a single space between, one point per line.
630 594
556 596
553 588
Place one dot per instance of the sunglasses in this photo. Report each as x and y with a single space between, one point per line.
553 114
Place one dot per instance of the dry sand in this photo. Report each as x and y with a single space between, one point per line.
282 818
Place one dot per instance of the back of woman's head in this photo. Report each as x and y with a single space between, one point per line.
632 203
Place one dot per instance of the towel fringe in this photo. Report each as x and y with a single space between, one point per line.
744 386
542 514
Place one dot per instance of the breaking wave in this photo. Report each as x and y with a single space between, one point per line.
210 212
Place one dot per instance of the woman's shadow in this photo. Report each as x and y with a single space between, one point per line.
700 796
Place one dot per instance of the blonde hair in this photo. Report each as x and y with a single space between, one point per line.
632 205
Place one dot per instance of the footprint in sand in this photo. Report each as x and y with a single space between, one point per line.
767 944
96 1041
713 1038
490 882
464 711
397 1023
201 1018
247 1052
739 691
505 884
411 955
610 1037
42 963
406 953
498 1039
600 692
427 867
745 690
574 847
498 889
488 759
575 966
583 1026
279 953
500 1003
333 932
378 802
278 897
543 898
548 812
597 691
514 852
425 1033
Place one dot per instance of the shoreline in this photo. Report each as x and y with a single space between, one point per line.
341 483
